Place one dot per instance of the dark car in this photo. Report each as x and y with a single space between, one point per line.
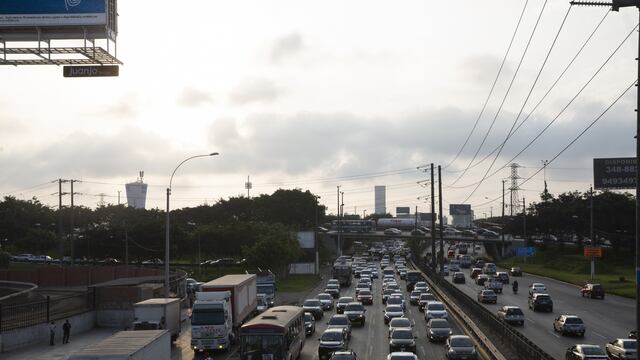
592 291
503 277
511 315
342 302
584 352
332 340
438 329
424 299
344 355
333 290
481 279
569 324
313 306
515 271
392 311
355 312
460 347
402 340
365 297
475 272
340 321
309 323
539 301
479 263
458 278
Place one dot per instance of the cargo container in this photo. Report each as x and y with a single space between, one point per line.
129 345
159 313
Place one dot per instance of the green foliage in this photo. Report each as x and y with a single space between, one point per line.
297 283
275 248
4 260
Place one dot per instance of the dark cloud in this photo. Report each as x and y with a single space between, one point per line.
285 46
191 97
255 90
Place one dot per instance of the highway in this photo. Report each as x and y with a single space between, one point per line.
605 320
370 342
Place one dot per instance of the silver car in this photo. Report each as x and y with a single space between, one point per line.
460 347
326 300
340 321
511 315
438 329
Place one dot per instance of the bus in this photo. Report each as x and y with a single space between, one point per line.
276 334
353 226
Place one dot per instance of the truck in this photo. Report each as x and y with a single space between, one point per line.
221 307
342 272
266 283
158 314
129 345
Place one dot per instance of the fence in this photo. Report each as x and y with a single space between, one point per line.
520 346
22 315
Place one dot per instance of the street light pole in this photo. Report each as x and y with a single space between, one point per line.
167 240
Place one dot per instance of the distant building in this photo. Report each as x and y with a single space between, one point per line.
380 199
137 193
464 221
403 212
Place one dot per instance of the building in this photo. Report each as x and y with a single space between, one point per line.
462 215
380 199
137 193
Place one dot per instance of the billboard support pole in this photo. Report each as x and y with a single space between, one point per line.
503 229
593 240
441 253
433 224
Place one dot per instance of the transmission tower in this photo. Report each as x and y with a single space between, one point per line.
513 190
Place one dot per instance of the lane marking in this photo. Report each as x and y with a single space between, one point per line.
602 336
554 334
533 322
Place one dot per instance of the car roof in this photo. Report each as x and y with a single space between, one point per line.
570 316
451 337
350 298
508 307
338 316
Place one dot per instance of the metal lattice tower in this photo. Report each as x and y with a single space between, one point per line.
513 190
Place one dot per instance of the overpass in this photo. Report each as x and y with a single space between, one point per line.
380 235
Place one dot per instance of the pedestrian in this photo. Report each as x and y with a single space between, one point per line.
52 333
66 331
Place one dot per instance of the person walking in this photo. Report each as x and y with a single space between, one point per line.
52 333
66 331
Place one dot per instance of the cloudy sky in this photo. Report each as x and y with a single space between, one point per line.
315 94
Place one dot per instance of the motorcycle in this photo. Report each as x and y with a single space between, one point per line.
515 288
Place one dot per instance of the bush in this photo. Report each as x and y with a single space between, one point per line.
4 260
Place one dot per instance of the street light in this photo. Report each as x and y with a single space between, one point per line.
166 242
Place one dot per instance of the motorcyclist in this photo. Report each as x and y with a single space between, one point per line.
515 286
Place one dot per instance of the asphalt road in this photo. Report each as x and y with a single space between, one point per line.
370 341
605 320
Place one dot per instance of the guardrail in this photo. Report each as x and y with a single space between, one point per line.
19 287
517 344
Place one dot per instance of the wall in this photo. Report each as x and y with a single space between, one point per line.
66 276
39 334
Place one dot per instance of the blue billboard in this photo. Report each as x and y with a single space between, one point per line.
15 13
526 251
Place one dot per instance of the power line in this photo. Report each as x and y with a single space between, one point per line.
495 81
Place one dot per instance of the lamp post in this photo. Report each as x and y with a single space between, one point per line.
166 242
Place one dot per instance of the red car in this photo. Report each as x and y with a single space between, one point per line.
365 297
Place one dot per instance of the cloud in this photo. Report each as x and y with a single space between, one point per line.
482 68
191 97
255 90
125 107
285 46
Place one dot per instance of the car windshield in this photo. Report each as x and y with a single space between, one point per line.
439 323
333 286
308 317
573 320
402 334
345 300
629 344
436 307
592 350
461 342
207 316
543 297
394 308
343 357
487 292
365 292
415 293
332 336
514 312
427 297
400 322
354 307
312 303
394 301
339 320
324 297
403 357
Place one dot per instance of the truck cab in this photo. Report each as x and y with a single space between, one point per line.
211 323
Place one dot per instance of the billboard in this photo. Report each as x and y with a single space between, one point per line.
590 251
526 251
403 210
614 173
306 239
460 209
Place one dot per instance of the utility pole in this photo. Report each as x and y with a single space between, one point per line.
503 205
593 240
524 219
248 185
364 214
60 231
342 215
415 225
118 197
338 220
615 6
440 216
73 231
434 259
491 209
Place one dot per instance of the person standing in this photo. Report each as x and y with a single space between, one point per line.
52 333
66 331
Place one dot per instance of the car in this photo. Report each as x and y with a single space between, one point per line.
489 269
424 299
386 293
540 301
396 300
402 355
342 302
402 340
403 274
418 232
479 263
155 261
475 272
391 312
309 323
592 291
537 288
365 297
355 311
340 321
503 277
332 340
313 306
344 355
458 278
399 323
622 349
569 324
393 286
392 231
515 271
326 300
493 284
633 334
481 279
435 310
333 282
23 258
445 270
421 286
438 329
487 296
333 290
360 287
511 315
584 352
460 347
414 297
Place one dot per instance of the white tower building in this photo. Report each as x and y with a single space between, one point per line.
137 193
380 199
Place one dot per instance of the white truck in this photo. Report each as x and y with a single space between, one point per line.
129 345
220 308
158 314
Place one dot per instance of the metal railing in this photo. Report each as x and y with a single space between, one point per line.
17 316
517 344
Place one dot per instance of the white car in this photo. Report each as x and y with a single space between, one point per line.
435 310
23 257
402 355
537 288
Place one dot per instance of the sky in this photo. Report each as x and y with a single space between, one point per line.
319 94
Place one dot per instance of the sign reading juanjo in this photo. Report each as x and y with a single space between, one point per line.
19 13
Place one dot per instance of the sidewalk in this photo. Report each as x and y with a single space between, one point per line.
59 351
